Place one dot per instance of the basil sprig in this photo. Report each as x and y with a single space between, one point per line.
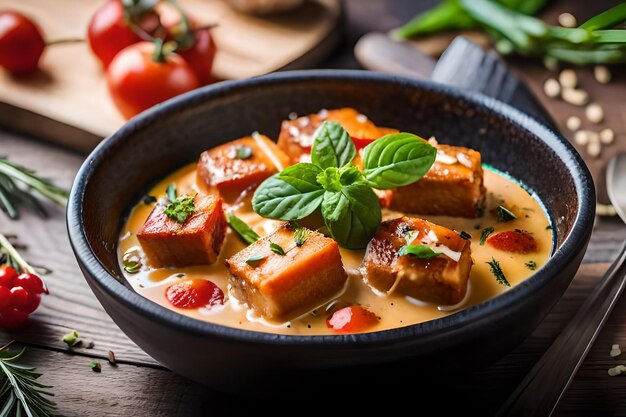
349 206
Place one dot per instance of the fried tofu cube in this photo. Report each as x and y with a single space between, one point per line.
441 280
282 287
197 241
239 165
296 136
452 187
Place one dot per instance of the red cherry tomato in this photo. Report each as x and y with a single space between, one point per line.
194 293
21 43
12 319
109 32
353 319
201 55
361 143
7 276
31 282
136 81
518 241
5 295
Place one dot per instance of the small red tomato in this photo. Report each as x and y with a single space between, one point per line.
194 293
5 295
109 32
352 319
200 56
138 81
518 241
24 301
12 319
31 282
7 276
361 143
21 43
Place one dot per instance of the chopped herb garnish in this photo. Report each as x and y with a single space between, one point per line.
419 251
71 339
254 260
149 199
549 227
496 270
485 234
301 235
532 265
505 215
171 192
244 152
180 208
95 366
243 230
465 235
274 247
131 261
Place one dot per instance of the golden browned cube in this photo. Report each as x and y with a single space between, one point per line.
452 187
195 242
441 280
282 287
296 136
239 165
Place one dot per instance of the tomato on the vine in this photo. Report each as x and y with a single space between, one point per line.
141 75
200 55
20 295
21 43
110 31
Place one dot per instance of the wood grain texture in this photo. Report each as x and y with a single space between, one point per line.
71 88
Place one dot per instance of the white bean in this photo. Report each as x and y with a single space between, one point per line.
552 88
575 97
567 20
602 74
568 78
573 123
607 136
594 113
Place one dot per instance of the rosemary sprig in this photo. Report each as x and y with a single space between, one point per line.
13 258
12 196
20 393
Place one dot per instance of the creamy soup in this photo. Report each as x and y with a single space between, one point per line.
392 310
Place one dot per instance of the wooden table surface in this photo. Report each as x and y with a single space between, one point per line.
140 386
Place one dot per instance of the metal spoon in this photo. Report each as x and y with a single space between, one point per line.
542 389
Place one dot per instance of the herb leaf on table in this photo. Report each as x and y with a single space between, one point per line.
20 393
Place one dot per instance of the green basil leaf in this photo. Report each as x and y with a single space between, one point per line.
352 215
350 175
419 251
396 160
329 179
243 230
291 195
332 146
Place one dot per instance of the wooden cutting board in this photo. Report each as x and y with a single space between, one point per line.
67 101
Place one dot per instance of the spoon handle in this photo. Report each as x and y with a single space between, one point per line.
540 391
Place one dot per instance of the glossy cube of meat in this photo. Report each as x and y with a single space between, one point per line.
296 136
239 165
195 242
441 280
282 287
452 187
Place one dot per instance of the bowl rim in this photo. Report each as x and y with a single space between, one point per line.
464 320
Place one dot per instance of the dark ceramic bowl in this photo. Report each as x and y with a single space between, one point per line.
170 135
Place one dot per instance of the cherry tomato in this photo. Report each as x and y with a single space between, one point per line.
136 81
31 282
518 241
200 56
352 319
5 295
21 43
12 319
109 32
194 293
361 143
7 276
